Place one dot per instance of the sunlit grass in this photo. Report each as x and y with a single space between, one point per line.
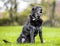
51 36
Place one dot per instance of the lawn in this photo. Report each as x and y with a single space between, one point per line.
51 36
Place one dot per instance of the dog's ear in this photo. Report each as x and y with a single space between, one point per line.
33 9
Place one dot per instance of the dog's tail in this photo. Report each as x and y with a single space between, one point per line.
6 41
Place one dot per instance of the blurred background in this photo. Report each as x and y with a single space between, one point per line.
16 12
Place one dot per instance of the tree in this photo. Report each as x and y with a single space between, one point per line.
52 13
49 10
12 10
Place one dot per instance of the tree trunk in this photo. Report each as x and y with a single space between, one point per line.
52 17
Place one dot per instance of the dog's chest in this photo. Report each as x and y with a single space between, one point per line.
37 23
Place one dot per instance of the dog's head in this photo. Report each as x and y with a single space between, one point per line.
36 13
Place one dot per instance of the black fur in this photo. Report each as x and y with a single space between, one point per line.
32 27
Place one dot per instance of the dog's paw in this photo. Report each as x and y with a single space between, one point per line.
23 40
44 41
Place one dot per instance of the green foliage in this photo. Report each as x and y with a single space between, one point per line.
22 19
23 16
51 36
16 20
4 22
19 18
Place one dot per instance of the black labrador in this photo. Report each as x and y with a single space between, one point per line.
32 27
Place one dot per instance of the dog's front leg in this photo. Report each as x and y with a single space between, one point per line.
32 36
40 35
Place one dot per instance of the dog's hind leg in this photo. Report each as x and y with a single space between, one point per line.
21 39
32 36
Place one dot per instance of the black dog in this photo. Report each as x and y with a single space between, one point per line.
32 27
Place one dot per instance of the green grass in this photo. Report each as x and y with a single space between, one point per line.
51 36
